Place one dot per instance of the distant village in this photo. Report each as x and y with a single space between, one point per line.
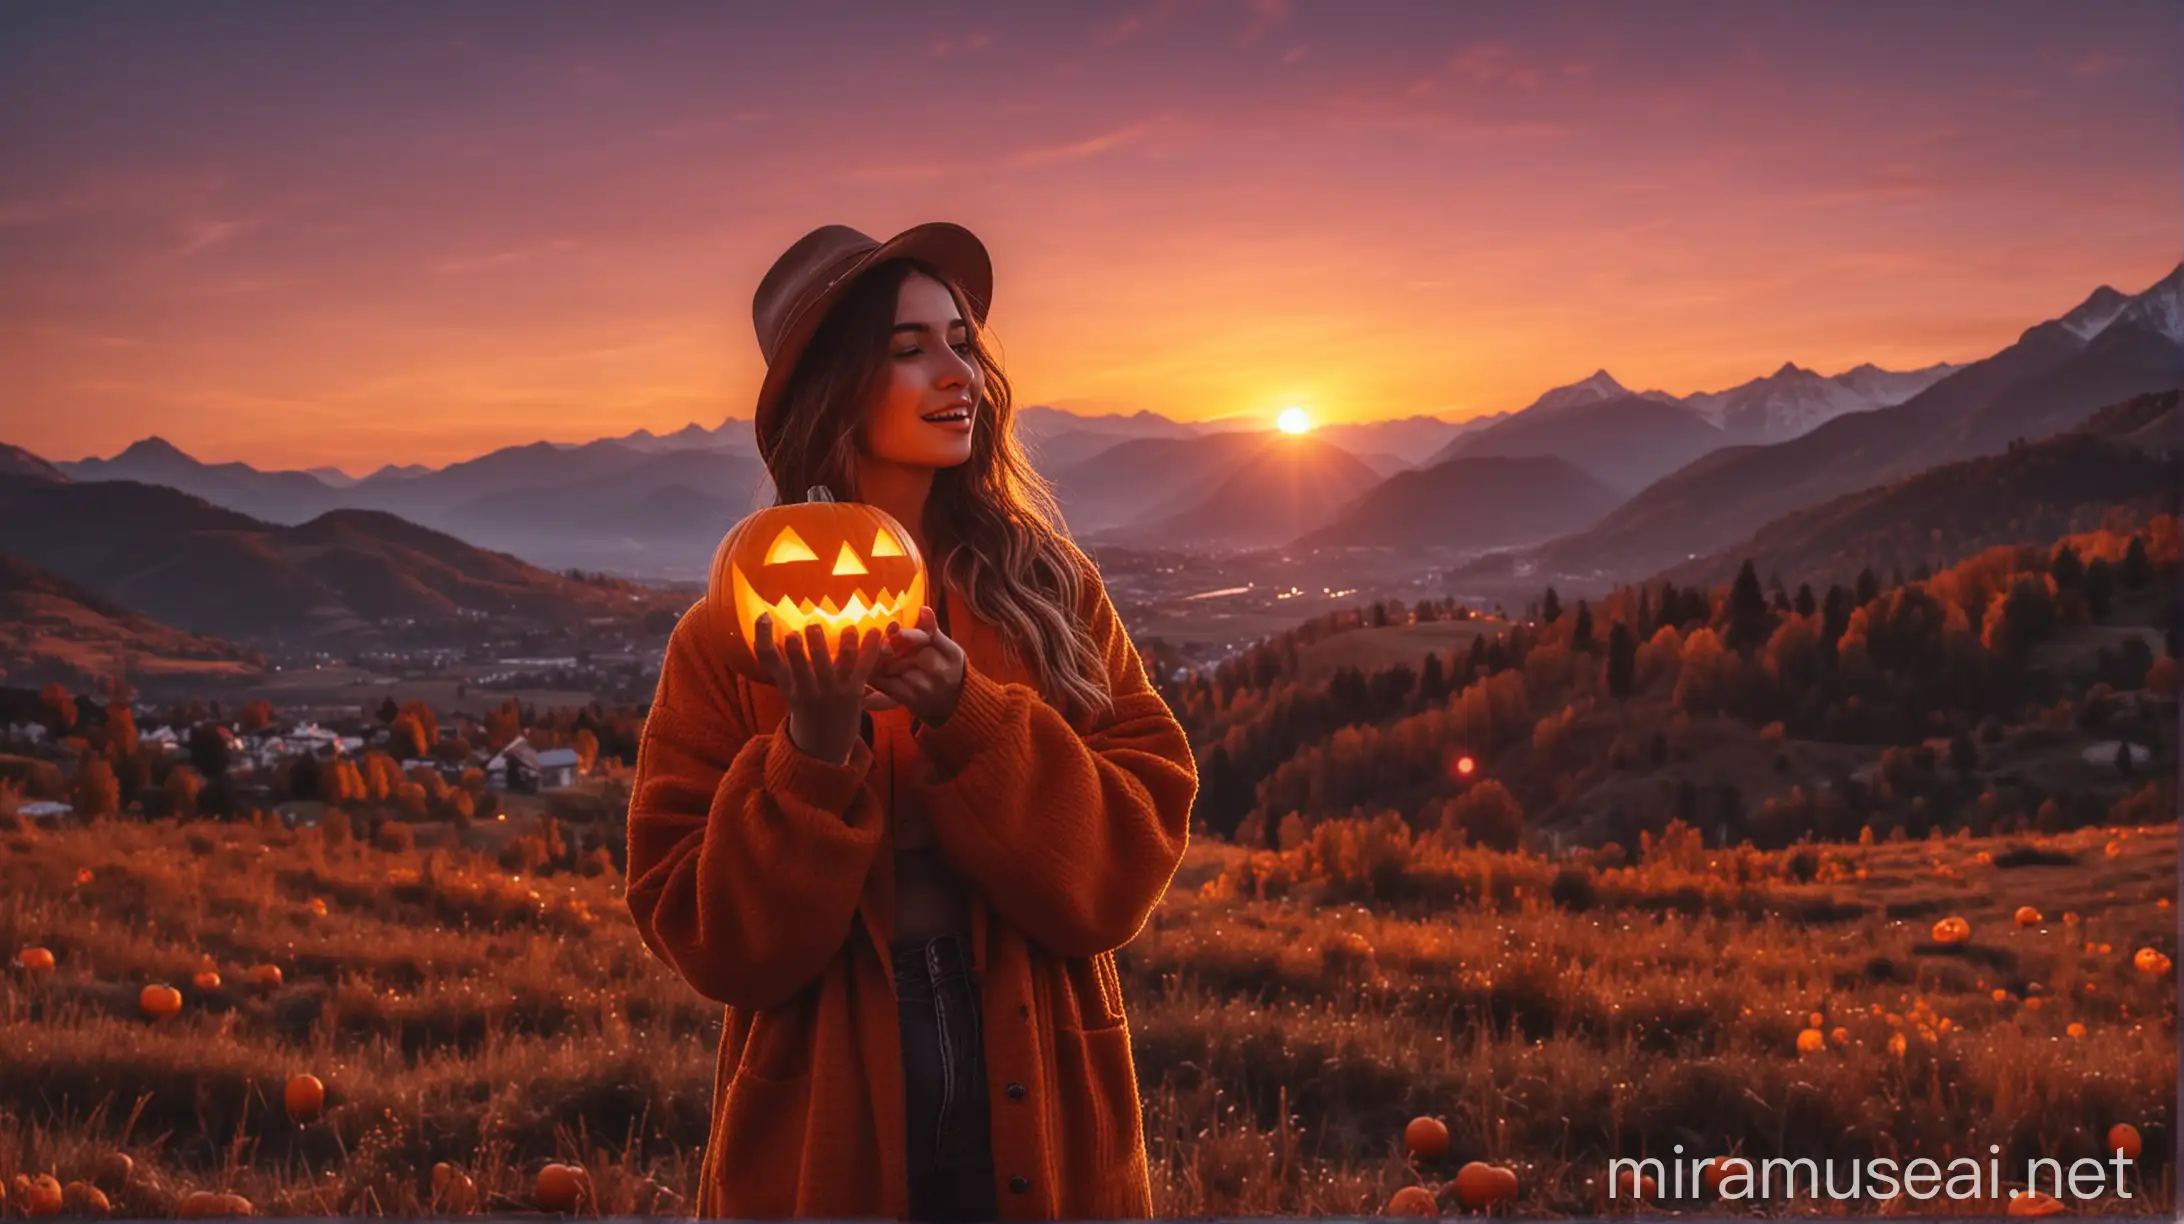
66 754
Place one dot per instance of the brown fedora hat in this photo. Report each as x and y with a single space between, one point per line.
796 293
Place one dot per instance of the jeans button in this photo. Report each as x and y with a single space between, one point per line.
1016 1092
1019 1185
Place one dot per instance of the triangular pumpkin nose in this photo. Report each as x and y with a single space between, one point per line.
847 562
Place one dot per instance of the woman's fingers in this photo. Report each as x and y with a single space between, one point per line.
800 665
877 700
768 654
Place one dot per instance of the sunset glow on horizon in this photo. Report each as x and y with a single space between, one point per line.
315 236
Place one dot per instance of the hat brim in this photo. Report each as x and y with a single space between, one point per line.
944 245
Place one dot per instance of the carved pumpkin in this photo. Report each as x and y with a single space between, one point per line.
834 564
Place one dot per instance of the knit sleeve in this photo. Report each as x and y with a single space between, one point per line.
746 854
1071 833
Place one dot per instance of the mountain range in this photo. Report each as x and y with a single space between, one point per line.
206 569
2051 380
1593 481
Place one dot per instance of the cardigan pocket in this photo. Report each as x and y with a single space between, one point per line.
762 1146
1096 990
1123 1177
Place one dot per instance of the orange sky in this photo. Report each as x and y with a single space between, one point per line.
411 235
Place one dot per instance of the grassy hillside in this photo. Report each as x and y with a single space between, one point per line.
466 1000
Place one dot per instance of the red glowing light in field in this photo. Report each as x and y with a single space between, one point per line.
1464 766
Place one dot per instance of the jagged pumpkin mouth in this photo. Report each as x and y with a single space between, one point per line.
861 609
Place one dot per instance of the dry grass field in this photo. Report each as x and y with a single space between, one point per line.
1291 1011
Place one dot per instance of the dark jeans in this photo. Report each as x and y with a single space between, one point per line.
944 1080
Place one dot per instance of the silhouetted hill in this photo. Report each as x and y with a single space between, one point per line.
181 560
1623 441
2054 377
1487 502
15 461
52 629
1148 476
2033 491
1282 488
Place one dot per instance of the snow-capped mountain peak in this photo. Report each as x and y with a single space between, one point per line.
2097 311
2159 309
1600 386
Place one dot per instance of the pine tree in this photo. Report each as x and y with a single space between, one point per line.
1869 586
1804 602
2137 569
1550 607
1747 611
2066 568
1581 633
1622 661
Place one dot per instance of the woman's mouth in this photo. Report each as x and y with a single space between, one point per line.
956 417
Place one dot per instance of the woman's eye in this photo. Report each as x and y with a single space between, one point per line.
907 353
964 348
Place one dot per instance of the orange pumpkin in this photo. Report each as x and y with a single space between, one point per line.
159 1001
1952 930
84 1199
1719 1168
1414 1201
2150 961
1507 1179
205 1204
116 1167
838 565
1628 1184
561 1187
41 1196
2027 916
2036 1203
265 975
452 1188
1427 1138
1479 1184
206 979
305 1096
2124 1137
35 960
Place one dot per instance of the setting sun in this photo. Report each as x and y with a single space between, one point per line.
1293 421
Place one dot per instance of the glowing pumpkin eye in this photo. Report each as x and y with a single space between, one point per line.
788 546
847 562
884 545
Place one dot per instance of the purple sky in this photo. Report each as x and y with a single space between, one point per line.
299 234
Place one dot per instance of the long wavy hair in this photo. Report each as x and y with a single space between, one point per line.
993 518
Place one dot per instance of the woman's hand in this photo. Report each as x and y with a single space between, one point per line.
921 671
823 692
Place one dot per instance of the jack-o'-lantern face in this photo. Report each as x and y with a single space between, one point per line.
834 564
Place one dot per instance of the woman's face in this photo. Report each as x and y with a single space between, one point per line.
929 404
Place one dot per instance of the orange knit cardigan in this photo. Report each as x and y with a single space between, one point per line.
765 877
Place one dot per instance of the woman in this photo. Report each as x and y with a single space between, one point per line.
904 866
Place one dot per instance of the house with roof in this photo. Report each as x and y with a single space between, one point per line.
522 767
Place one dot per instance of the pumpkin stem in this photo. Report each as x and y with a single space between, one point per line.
818 493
